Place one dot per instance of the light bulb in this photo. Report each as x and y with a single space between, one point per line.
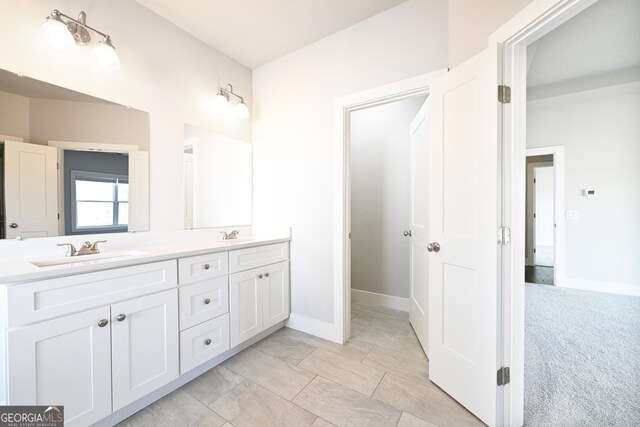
106 55
55 33
241 111
220 104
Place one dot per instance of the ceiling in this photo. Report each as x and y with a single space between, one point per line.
254 32
601 39
31 88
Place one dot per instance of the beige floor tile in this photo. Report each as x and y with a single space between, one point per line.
355 349
374 310
357 325
285 347
270 372
319 422
249 405
393 340
424 400
213 384
343 406
176 409
408 420
389 324
412 365
342 370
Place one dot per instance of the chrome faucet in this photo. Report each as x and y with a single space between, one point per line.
230 236
87 248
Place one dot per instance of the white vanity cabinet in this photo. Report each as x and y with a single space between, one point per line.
259 297
100 359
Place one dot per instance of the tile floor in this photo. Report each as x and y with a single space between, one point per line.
379 378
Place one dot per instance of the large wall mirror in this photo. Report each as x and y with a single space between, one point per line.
217 179
70 163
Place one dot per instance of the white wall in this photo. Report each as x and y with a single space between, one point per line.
294 130
165 72
544 215
379 158
600 131
471 22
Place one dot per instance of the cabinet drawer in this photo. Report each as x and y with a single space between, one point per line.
203 342
203 301
202 267
245 259
45 299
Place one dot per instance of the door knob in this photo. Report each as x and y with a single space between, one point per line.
207 342
433 247
102 323
266 274
121 317
13 225
407 233
207 266
207 301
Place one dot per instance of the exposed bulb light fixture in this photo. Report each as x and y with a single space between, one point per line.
61 31
221 103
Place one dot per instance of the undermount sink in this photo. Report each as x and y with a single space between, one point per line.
86 259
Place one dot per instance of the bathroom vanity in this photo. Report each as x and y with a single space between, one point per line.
105 335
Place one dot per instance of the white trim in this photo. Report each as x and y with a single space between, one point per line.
380 300
557 151
342 246
91 146
536 20
607 287
316 327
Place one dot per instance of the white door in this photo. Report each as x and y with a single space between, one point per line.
419 297
65 361
245 305
144 333
31 190
543 216
463 201
275 294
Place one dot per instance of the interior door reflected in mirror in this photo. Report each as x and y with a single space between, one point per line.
217 177
70 163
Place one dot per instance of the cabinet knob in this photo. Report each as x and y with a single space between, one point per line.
207 301
266 274
207 342
102 323
259 276
207 266
13 225
121 317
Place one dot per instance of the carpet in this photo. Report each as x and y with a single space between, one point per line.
582 358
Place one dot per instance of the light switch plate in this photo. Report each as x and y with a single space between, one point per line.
573 215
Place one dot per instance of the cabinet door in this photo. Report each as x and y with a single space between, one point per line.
275 289
145 345
64 361
245 305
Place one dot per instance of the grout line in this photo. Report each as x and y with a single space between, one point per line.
379 382
307 385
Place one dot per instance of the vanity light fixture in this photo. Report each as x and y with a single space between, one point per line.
63 32
221 103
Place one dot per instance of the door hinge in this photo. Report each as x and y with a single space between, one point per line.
58 166
58 217
504 377
504 94
504 235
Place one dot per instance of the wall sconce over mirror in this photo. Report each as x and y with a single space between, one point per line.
62 32
221 103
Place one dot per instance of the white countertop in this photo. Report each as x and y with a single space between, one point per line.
22 270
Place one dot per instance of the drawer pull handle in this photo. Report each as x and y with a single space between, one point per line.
207 342
259 276
207 301
121 317
207 266
102 323
266 274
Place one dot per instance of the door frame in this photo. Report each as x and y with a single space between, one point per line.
344 106
536 20
557 152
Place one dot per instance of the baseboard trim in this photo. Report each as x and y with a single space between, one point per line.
596 286
387 301
314 327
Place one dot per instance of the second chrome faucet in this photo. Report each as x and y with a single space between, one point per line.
87 248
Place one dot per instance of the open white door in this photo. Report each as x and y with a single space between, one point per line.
419 296
31 190
463 203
